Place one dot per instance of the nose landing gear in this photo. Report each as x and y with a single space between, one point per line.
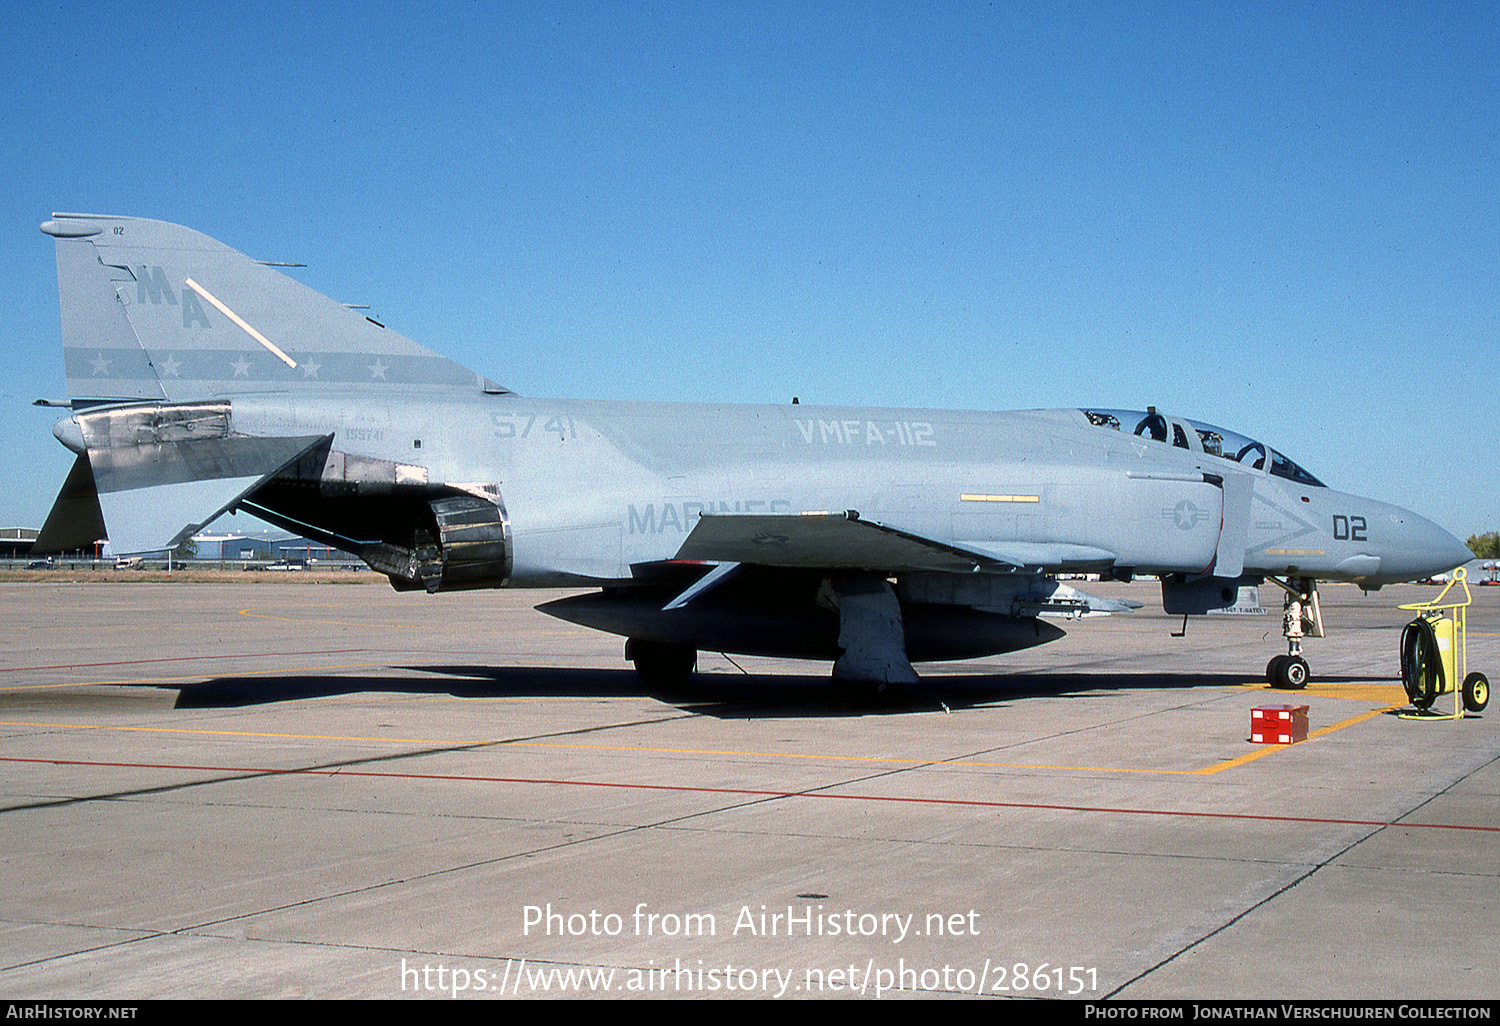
1300 618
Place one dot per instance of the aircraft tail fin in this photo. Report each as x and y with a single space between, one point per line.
152 310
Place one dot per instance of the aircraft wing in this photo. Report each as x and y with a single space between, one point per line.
843 541
832 541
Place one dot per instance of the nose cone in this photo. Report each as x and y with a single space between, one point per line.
1419 548
1456 553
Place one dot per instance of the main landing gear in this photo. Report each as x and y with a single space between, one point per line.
661 665
1300 618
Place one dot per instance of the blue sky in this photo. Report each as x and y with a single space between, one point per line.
1278 218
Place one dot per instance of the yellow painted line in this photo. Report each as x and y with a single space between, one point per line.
577 631
226 733
191 677
603 748
337 623
1206 770
889 760
1240 760
452 741
1219 767
1382 694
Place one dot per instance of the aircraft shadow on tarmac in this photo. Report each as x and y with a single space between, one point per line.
716 694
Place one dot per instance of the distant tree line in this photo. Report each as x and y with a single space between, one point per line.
1485 546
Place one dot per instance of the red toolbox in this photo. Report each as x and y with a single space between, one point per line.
1278 724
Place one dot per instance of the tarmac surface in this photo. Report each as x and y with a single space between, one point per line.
274 789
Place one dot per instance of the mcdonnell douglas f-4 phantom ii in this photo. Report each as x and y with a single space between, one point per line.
203 381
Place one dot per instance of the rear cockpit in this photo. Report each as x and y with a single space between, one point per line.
1198 437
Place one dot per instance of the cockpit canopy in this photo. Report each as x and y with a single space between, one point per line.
1215 441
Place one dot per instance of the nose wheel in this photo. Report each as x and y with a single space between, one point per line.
1300 618
1287 672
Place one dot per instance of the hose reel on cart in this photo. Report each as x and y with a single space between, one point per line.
1434 655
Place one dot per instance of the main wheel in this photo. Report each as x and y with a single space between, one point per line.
1292 674
864 692
1476 692
661 665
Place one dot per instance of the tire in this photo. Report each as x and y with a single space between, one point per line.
1273 670
1421 664
1476 692
661 665
864 693
1294 673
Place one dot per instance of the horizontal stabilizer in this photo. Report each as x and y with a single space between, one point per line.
827 541
153 505
75 521
161 471
159 518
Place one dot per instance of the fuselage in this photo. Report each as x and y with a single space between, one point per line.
592 487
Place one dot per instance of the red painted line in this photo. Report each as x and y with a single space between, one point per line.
178 659
682 788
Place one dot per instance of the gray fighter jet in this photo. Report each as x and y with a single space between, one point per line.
203 381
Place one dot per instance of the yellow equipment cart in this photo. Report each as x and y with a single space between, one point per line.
1435 655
